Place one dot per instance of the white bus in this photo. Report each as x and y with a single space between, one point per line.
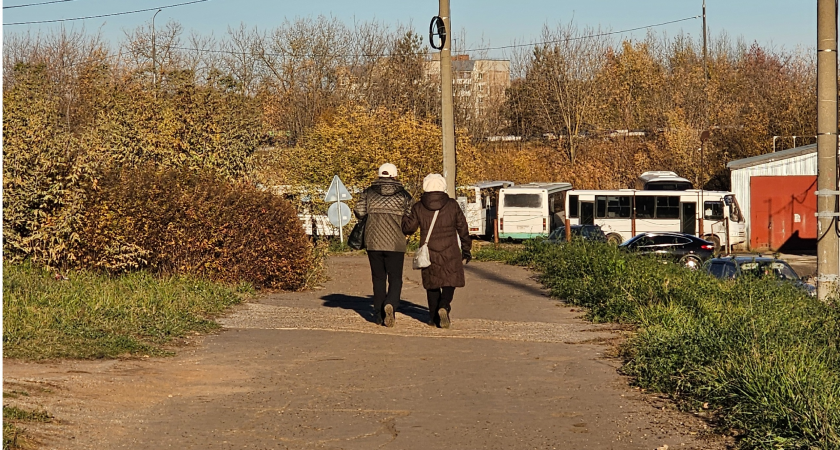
624 213
480 205
661 180
530 210
315 225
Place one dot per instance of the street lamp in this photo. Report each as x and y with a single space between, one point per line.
154 59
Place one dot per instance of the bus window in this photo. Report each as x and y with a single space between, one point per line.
573 206
734 211
667 207
614 207
645 207
713 210
600 207
555 203
523 201
619 207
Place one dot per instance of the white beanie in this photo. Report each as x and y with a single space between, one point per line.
388 170
434 182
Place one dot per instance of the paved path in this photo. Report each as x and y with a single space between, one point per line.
308 370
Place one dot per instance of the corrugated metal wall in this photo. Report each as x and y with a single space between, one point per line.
782 212
797 165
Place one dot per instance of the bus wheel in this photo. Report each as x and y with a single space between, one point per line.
692 262
714 240
613 239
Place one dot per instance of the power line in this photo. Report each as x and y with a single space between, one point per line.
369 55
583 37
106 15
36 4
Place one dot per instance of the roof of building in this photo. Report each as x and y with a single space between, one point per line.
771 157
541 185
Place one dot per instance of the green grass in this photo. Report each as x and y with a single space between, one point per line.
763 355
12 416
11 435
99 316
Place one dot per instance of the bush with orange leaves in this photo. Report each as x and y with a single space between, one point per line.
186 222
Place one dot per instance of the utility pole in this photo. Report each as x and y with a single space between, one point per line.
704 135
828 250
705 66
447 109
154 56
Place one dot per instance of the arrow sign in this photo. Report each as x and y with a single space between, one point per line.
337 191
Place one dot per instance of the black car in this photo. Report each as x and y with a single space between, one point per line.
686 249
732 267
585 232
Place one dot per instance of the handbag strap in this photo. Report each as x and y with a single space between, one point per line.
431 227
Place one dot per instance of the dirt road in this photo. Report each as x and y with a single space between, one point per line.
517 370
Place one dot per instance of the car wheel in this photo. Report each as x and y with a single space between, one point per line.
692 262
613 239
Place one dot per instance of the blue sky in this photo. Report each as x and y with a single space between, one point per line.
780 24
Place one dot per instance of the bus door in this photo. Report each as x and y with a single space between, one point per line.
688 224
587 213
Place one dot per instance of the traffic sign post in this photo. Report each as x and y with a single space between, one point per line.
339 213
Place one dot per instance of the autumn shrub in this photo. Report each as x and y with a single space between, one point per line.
43 172
186 222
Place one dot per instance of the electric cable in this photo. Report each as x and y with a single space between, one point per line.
105 15
348 55
37 4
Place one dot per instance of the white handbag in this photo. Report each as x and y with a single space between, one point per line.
421 257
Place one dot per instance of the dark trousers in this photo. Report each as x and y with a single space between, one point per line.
439 298
386 270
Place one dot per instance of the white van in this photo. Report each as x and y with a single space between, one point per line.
480 205
530 210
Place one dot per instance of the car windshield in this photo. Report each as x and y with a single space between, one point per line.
558 233
593 233
775 269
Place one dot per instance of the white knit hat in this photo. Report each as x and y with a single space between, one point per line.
434 182
388 170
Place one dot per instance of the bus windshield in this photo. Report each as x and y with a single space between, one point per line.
523 201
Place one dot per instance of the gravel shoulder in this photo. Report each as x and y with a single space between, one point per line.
309 370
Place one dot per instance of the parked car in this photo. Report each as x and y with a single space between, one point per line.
732 267
686 249
585 232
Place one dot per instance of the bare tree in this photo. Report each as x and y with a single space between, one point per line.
561 83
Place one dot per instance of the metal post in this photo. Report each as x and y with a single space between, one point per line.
728 240
828 250
568 230
447 110
154 56
774 143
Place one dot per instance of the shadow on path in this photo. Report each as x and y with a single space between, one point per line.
363 306
495 277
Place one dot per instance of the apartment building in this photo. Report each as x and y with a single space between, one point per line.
478 83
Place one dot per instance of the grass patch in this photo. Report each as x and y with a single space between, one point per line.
15 414
13 436
762 355
99 316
